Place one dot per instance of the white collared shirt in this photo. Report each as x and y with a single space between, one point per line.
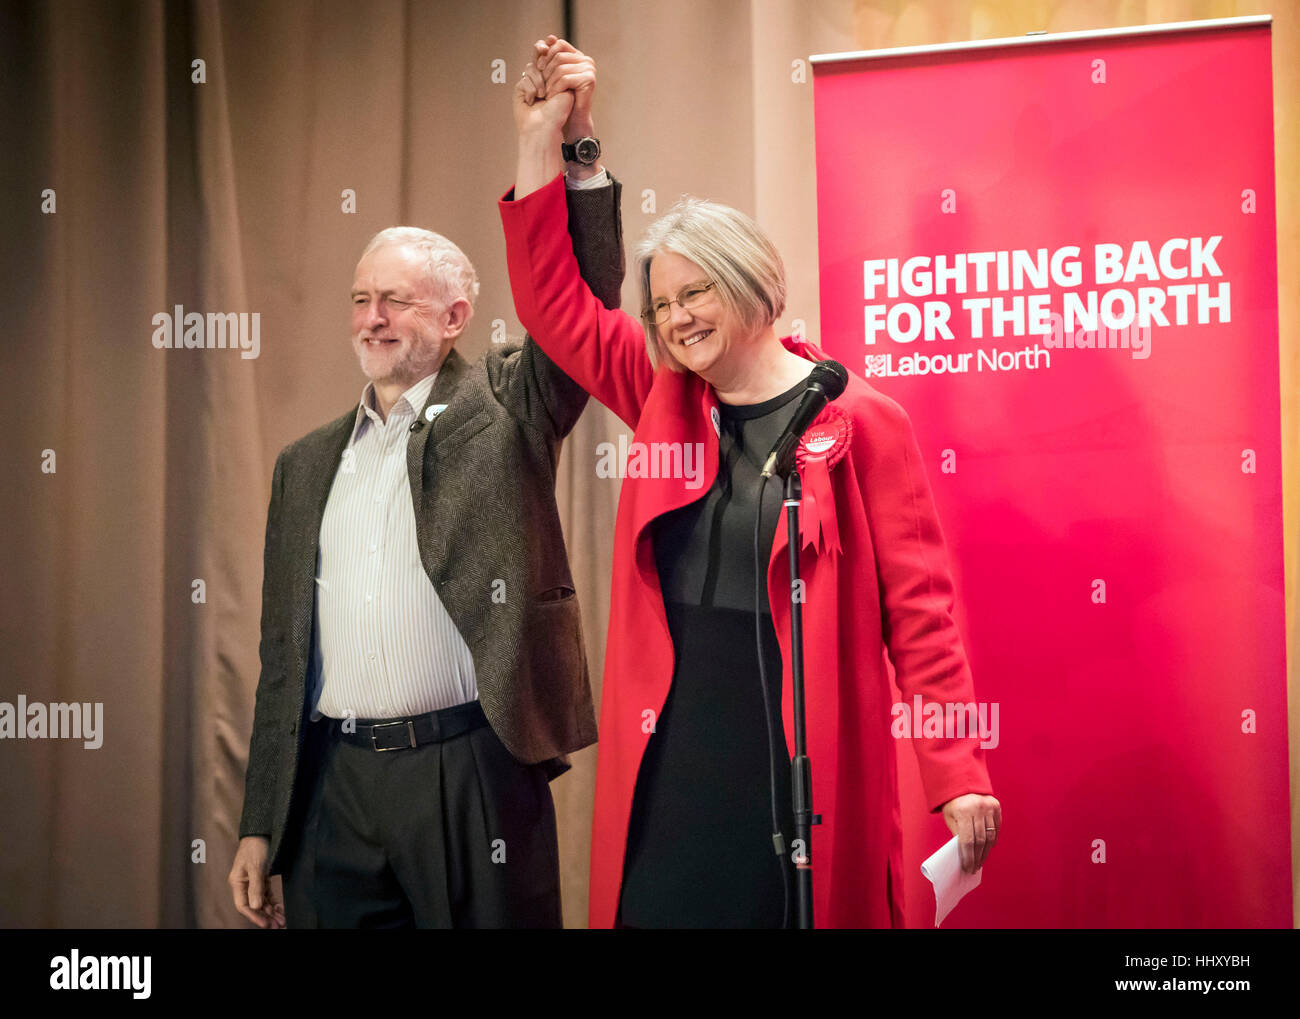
384 646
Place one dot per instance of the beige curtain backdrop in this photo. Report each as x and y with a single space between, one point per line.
227 196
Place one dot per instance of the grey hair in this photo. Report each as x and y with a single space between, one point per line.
741 261
450 271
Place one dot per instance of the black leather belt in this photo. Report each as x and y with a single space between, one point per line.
408 733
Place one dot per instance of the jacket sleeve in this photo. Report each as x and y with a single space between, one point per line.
527 381
260 777
917 598
599 346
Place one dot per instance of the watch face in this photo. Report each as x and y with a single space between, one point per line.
587 150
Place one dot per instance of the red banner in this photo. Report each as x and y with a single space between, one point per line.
1060 258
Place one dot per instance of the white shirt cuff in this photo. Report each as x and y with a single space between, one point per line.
600 180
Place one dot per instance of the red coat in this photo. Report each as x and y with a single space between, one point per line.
887 590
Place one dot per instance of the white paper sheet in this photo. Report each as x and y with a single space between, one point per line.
943 870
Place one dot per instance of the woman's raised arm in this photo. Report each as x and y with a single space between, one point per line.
603 350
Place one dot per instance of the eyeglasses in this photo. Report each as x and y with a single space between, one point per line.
687 298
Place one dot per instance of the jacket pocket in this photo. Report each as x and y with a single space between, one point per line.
556 657
462 433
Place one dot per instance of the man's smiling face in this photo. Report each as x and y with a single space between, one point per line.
396 317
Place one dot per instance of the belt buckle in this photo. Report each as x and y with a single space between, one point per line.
410 728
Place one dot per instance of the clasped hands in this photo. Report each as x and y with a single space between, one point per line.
555 91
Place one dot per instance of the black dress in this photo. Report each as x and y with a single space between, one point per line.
700 850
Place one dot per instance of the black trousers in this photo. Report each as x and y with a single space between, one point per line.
447 834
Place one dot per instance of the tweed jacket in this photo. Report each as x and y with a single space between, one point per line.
482 478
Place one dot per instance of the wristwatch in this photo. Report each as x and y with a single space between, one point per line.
584 150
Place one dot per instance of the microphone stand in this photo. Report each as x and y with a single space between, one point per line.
801 770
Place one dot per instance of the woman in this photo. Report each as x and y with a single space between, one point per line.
682 834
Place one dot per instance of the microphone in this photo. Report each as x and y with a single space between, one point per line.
825 383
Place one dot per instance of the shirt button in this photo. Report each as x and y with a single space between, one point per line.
373 546
369 597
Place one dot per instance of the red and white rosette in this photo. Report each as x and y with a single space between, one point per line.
822 446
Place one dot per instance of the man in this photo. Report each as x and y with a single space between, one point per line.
423 672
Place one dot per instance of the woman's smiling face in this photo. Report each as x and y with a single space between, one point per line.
699 338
